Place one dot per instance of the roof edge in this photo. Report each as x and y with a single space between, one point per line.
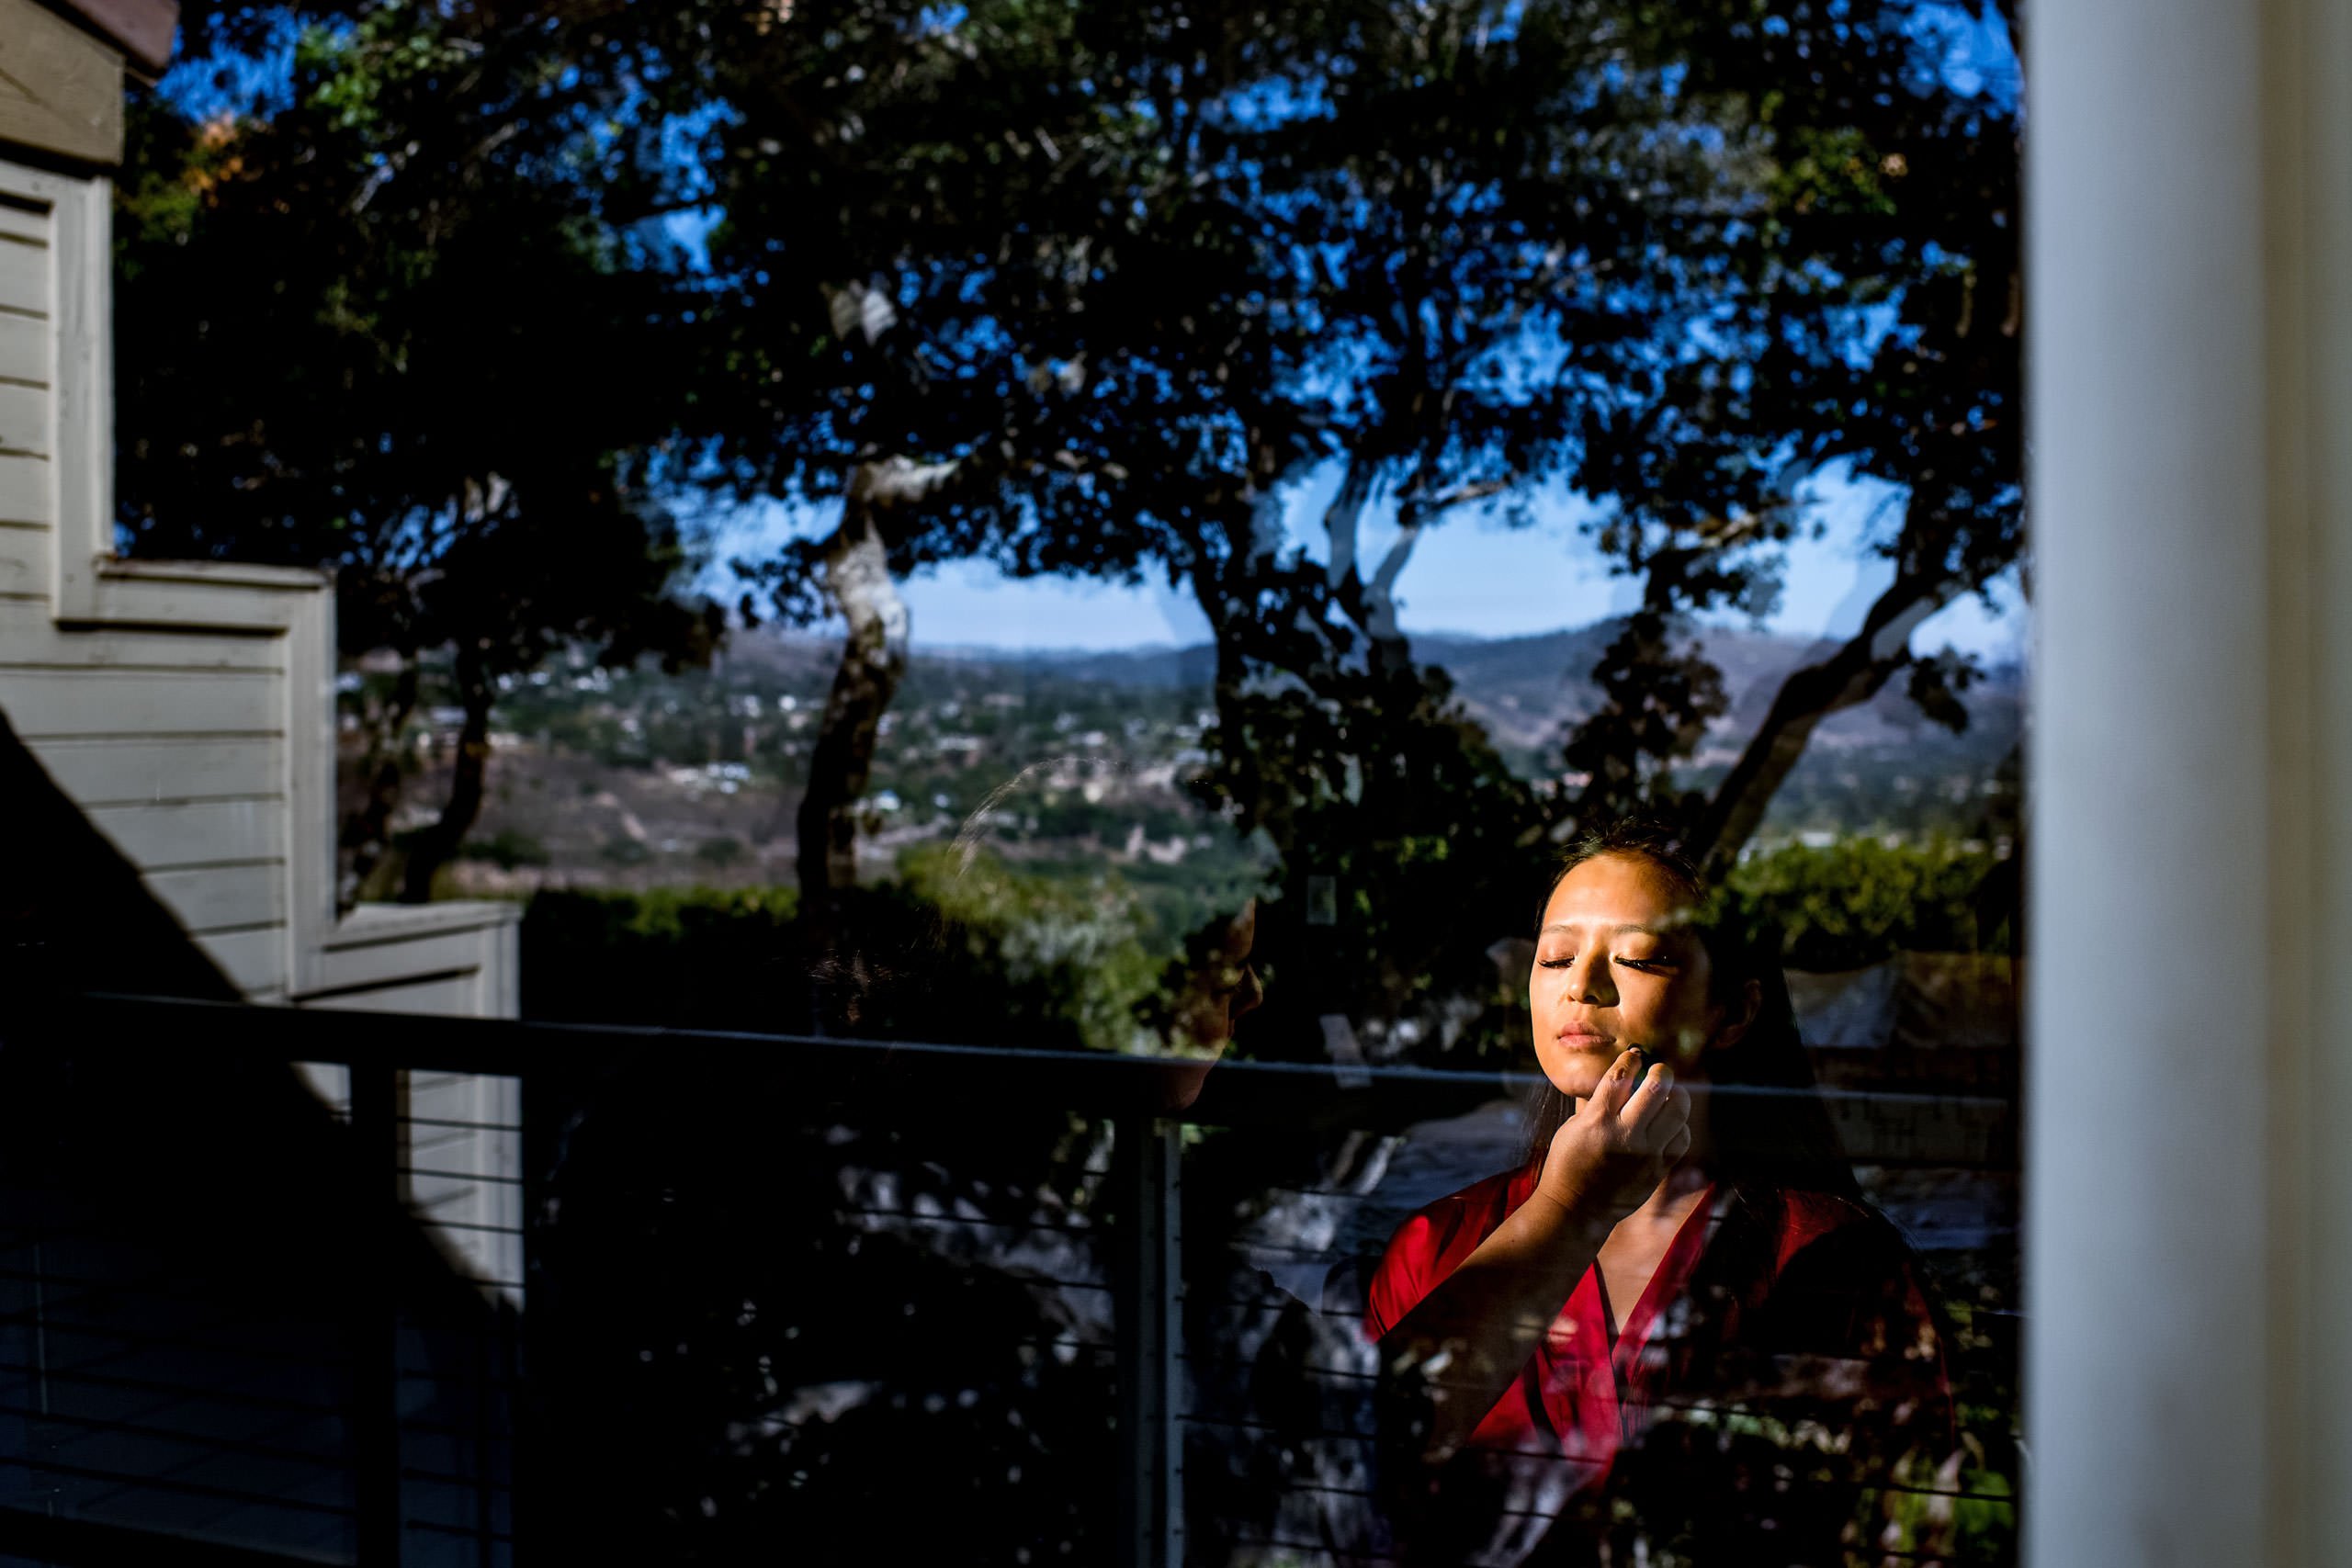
142 30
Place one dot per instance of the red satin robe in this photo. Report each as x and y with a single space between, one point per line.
1587 1395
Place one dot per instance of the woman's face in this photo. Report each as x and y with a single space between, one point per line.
1617 966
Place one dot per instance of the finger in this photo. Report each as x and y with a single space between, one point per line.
1665 1108
1678 1145
1616 1085
1649 1095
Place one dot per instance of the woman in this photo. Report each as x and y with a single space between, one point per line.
1678 1320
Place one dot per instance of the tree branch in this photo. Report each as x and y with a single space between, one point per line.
1419 512
1852 675
1340 519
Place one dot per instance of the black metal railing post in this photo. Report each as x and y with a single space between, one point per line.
375 1315
1147 1167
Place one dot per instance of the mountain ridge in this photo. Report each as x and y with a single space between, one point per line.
1524 690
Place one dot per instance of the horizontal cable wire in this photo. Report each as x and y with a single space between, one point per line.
184 1391
471 1482
911 1217
175 1435
461 1175
140 1339
123 1483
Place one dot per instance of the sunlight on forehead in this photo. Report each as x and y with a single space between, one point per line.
1620 894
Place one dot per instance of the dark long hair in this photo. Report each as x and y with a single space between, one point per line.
1769 1128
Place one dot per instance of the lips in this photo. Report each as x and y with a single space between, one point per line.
1577 1037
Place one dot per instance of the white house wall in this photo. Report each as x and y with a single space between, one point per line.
189 708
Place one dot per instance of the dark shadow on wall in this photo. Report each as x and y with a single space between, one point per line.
213 1308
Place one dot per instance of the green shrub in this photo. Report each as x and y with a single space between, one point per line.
1859 900
966 952
689 957
1076 947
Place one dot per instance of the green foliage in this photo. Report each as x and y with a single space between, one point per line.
1858 901
1078 947
724 850
1883 192
685 957
969 953
1432 847
667 916
436 415
378 330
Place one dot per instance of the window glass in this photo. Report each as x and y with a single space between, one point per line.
1221 784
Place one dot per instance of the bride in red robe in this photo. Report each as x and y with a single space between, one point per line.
1677 1332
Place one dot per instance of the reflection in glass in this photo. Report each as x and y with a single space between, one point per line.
1677 1322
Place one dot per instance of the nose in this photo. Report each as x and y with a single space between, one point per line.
1589 980
1247 995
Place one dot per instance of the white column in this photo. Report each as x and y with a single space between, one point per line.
2192 934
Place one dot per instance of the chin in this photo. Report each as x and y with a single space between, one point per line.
1577 1073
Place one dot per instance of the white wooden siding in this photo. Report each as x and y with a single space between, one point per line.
25 495
465 1170
24 347
255 960
375 964
24 566
126 647
24 416
178 834
223 898
103 773
51 699
24 275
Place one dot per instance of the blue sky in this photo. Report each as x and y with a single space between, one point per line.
1469 575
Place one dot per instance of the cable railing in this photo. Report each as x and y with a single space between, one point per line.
486 1287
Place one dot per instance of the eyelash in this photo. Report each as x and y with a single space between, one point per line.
1645 965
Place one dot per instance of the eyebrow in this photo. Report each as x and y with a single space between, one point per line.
1613 930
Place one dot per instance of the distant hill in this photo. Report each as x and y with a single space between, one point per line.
1159 668
1524 690
637 778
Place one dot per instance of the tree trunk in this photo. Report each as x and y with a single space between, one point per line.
873 658
1852 675
1392 653
1226 586
1371 604
436 846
